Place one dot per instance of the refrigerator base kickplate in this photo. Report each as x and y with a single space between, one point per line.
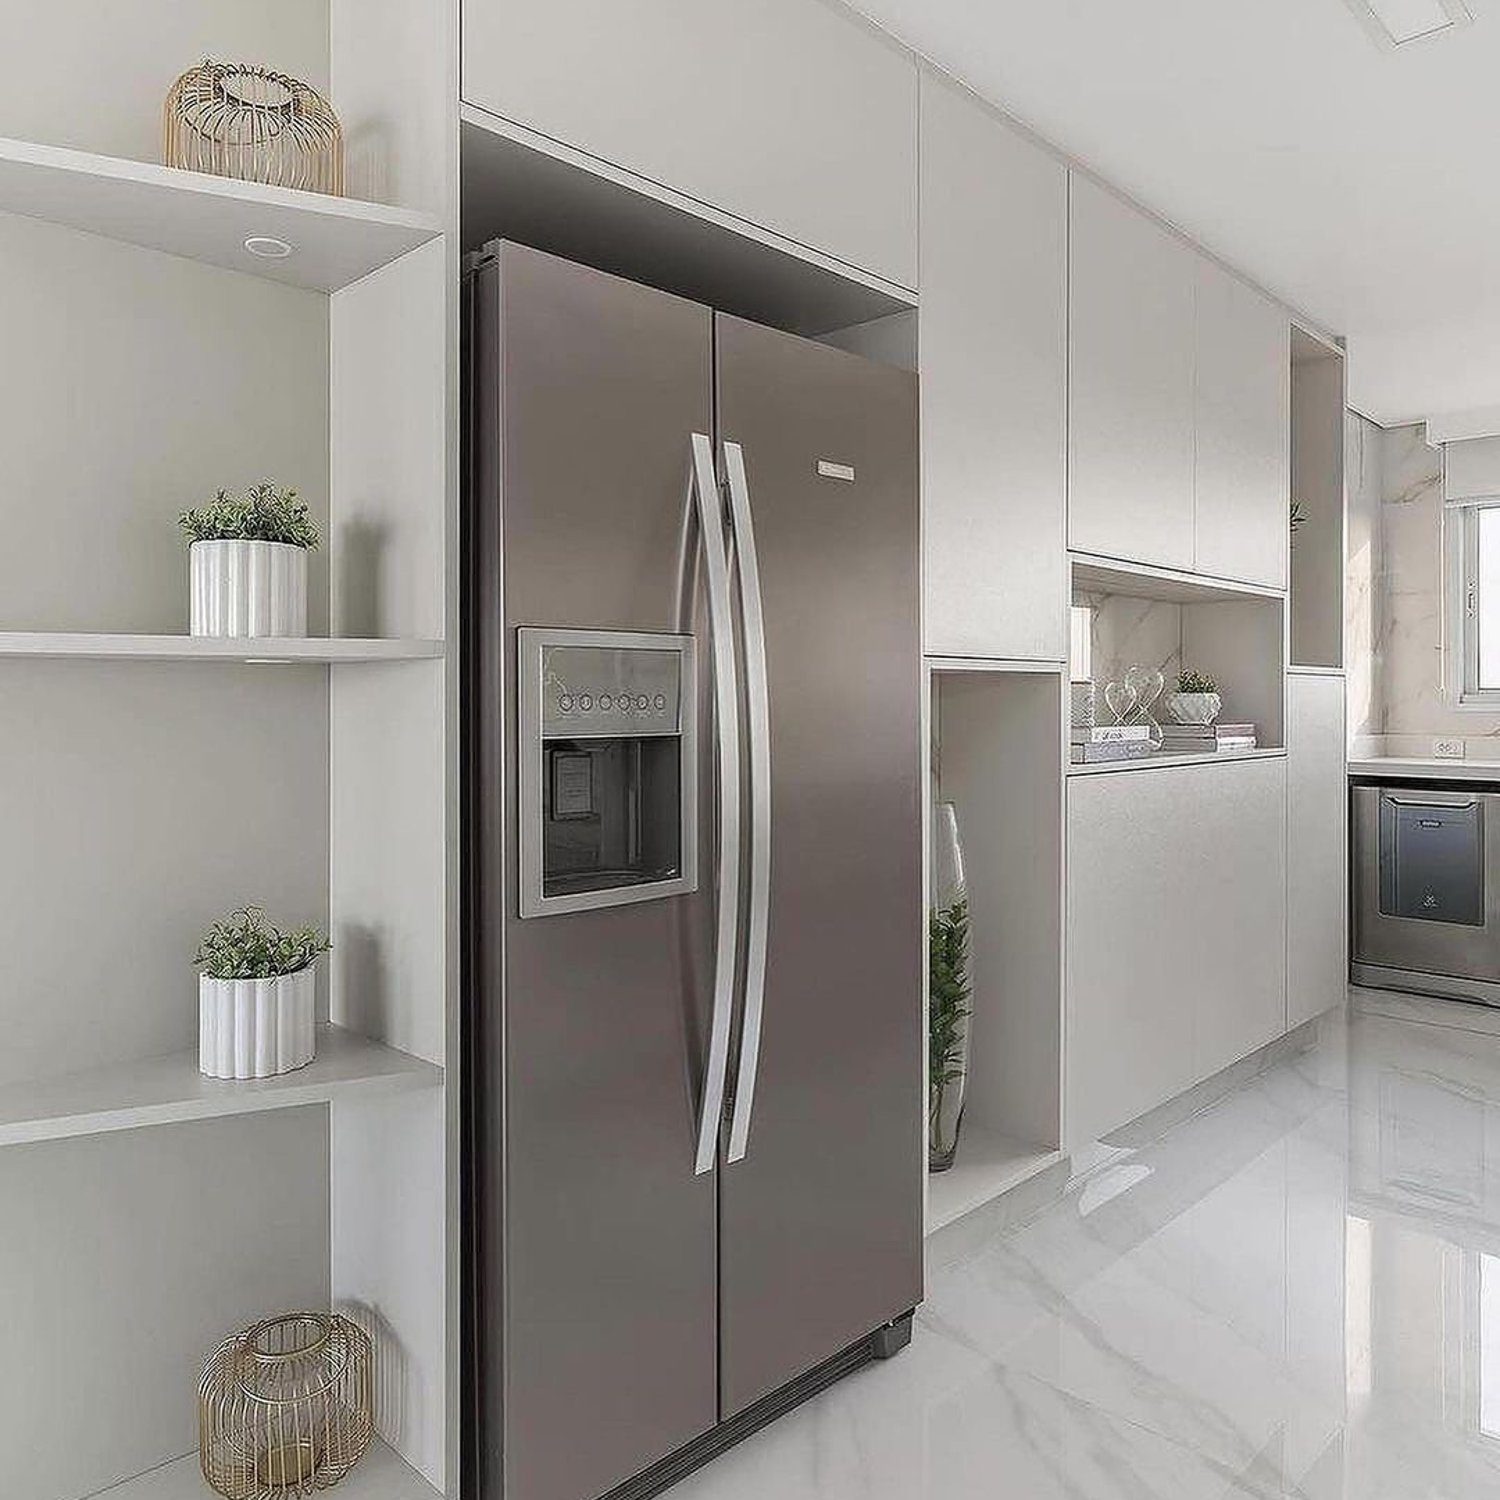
883 1343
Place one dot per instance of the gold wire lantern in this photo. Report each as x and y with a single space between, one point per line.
286 1408
239 120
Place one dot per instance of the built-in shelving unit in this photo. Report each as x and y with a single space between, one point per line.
379 1475
1317 562
170 1090
1174 621
160 358
84 646
331 242
997 728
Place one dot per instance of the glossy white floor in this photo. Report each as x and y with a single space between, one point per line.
1296 1293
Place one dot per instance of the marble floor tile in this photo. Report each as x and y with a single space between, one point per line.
1292 1295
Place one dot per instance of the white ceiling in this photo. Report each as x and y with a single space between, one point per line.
1360 185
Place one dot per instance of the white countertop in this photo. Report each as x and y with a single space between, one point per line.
1425 770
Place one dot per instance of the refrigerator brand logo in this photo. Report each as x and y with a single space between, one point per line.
827 470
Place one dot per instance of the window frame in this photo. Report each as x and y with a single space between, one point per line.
1461 610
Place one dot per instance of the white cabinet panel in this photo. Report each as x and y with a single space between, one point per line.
1243 448
1176 932
994 237
1317 847
1131 384
792 114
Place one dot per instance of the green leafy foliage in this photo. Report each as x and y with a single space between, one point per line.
1297 516
263 513
244 945
1196 682
948 991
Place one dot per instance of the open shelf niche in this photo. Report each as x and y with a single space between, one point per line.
1317 594
1125 615
148 785
995 736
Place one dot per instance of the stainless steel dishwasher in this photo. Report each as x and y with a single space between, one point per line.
1427 890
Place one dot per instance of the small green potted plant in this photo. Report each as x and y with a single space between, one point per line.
256 996
1196 700
248 562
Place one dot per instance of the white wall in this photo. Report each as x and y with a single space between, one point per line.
93 75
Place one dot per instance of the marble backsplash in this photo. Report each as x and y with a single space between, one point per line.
1126 632
1394 598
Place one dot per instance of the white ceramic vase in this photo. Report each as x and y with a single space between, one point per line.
242 588
256 1028
1194 708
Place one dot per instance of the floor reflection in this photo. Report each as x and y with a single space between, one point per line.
1296 1293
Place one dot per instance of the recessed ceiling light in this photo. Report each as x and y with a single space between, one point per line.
1393 23
267 248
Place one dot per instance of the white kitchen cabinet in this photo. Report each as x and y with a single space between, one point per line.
1243 431
1176 931
792 114
1317 846
994 235
1131 383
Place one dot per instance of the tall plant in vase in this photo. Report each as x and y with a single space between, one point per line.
949 989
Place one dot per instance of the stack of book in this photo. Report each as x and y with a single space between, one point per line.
1111 742
1206 739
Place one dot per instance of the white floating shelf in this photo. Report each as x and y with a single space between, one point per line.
379 1475
334 241
105 647
170 1090
1103 575
987 1165
1156 762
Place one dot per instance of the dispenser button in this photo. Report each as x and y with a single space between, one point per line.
643 703
586 702
661 703
565 703
606 702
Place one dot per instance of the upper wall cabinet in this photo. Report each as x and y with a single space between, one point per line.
1132 401
791 114
994 236
1243 431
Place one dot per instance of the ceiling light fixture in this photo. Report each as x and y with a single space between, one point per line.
267 248
1394 23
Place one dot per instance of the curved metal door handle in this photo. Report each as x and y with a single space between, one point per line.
704 489
758 724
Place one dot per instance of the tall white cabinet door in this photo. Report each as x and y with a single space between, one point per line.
1176 930
792 114
1131 878
1244 431
1318 844
1131 384
994 237
1236 980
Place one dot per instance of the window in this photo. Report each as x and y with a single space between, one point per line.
1473 642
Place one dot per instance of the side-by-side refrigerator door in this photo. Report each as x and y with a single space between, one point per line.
821 1186
597 1255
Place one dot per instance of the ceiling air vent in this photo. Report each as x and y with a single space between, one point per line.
1394 23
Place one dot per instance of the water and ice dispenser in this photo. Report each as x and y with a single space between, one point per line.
608 769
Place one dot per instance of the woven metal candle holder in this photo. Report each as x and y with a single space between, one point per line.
240 120
286 1407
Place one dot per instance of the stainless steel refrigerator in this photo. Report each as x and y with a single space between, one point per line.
693 893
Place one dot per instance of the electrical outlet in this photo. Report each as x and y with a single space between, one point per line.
1448 749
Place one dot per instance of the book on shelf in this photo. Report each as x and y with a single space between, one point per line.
1105 734
1208 731
1209 747
1109 750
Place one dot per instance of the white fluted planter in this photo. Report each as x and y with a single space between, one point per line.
255 1028
244 588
